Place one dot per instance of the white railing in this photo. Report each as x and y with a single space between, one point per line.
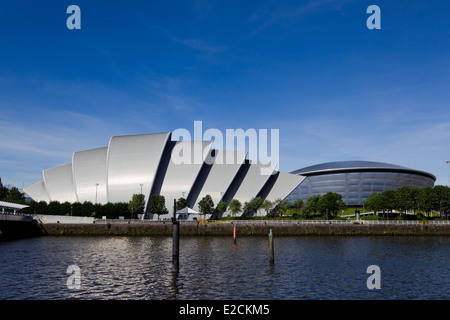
401 222
278 222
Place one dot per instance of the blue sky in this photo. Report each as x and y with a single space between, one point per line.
312 69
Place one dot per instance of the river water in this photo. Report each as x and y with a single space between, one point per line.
214 268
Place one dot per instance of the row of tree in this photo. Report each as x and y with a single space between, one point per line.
85 209
157 205
130 210
408 199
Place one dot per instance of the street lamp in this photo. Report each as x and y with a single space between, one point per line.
96 191
447 162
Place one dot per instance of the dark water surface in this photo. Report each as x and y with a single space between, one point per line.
215 268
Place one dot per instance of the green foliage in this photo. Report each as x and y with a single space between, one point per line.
86 209
11 195
281 207
267 206
206 205
310 207
235 207
252 206
298 205
331 203
136 205
157 205
406 199
181 204
374 202
318 206
222 206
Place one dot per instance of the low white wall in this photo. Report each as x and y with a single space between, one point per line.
64 219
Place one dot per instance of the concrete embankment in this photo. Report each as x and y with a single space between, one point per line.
244 229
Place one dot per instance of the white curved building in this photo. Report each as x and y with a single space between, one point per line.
153 164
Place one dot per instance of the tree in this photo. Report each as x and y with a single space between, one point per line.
281 205
235 207
427 199
136 205
65 208
14 195
41 208
157 205
222 207
109 210
284 206
87 209
267 205
120 209
3 191
331 203
415 199
298 204
310 207
253 205
442 195
181 203
388 200
77 209
54 208
374 202
403 199
206 205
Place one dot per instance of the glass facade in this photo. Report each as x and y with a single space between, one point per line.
355 187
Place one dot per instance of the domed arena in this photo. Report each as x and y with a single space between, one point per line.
356 180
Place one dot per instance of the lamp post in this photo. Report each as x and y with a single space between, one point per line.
96 192
447 162
175 240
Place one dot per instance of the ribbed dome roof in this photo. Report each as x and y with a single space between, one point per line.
356 165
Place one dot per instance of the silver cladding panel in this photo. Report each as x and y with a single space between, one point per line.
59 183
181 175
252 183
283 186
133 161
355 187
37 192
221 175
89 169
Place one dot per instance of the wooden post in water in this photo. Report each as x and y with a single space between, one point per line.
271 250
175 240
234 234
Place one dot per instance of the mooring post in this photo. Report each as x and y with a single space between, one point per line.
234 234
175 241
271 250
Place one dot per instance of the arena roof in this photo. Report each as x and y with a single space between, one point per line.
357 165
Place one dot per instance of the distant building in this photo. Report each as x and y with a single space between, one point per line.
356 180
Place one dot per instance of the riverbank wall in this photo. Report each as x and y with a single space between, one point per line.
243 229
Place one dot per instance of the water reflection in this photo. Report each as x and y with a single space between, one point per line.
218 268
